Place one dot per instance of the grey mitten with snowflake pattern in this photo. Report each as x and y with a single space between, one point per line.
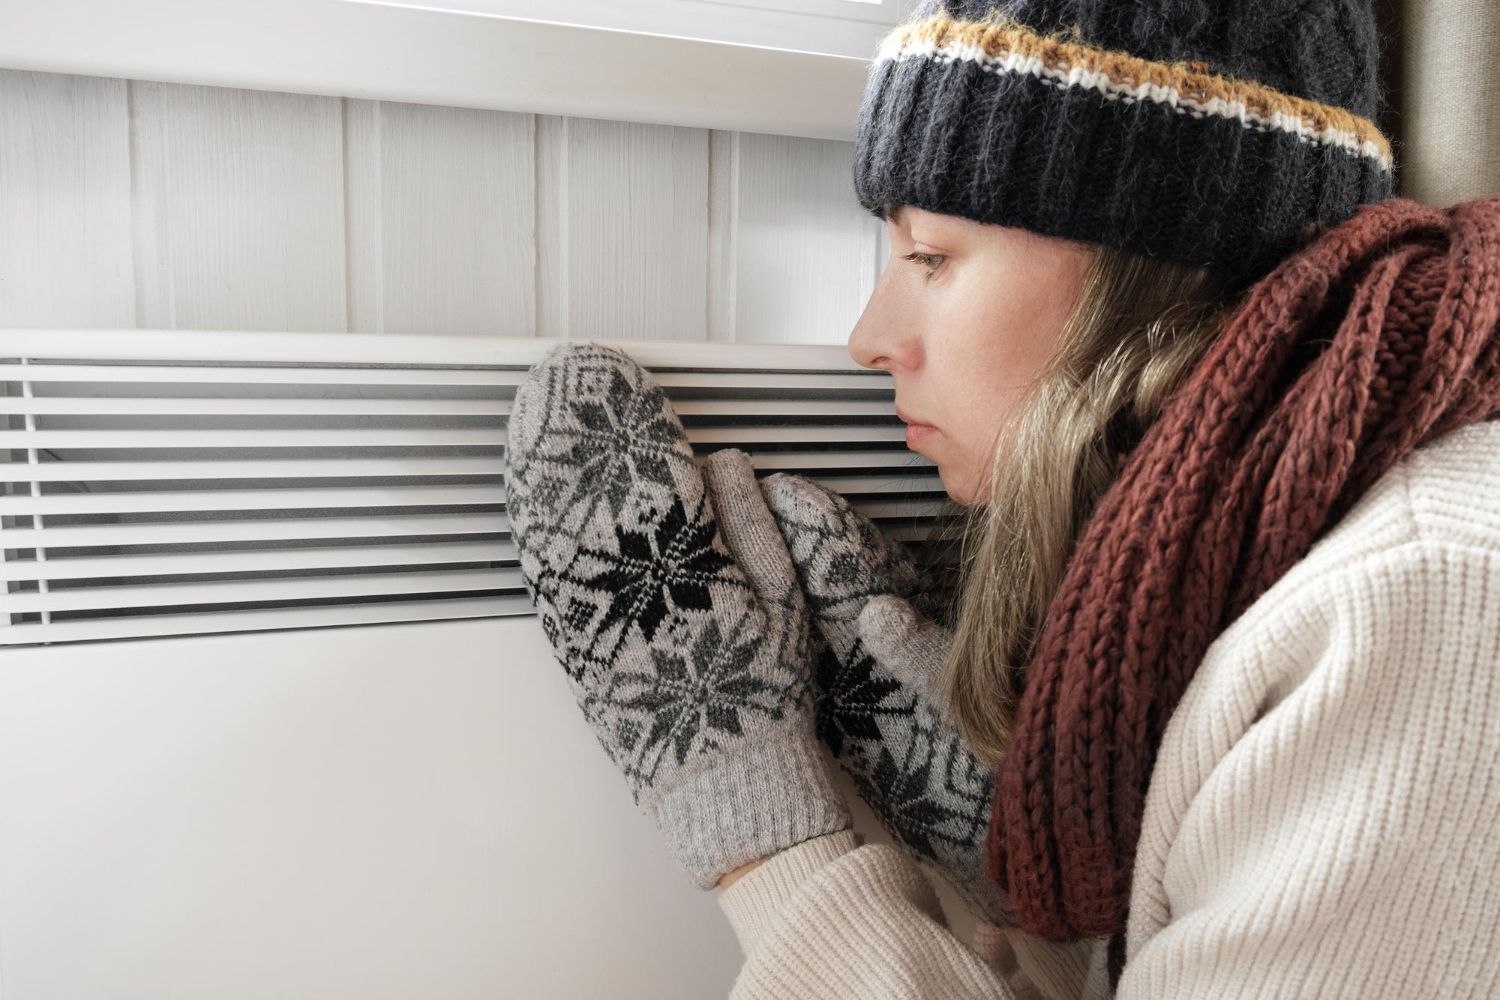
882 649
670 600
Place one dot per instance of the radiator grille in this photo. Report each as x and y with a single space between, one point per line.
186 482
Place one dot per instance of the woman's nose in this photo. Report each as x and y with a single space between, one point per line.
882 337
862 343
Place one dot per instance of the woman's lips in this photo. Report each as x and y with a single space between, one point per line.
917 433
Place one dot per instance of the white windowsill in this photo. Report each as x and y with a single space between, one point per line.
467 58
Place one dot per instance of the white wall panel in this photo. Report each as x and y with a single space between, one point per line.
65 238
441 220
552 178
239 208
805 252
723 216
134 203
632 257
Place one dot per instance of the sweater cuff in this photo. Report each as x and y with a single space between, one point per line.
753 900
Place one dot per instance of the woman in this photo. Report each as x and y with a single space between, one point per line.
1218 714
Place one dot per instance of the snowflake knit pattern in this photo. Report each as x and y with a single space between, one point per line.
671 602
906 760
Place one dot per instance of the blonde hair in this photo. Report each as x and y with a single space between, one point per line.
1138 327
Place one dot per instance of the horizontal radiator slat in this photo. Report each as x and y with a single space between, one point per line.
270 529
228 374
267 530
881 484
416 437
292 468
264 560
900 508
202 592
215 375
223 406
250 499
142 502
308 468
435 437
265 619
259 347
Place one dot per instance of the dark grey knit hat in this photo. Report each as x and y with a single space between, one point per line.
1211 134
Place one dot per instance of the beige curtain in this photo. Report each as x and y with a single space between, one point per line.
1443 74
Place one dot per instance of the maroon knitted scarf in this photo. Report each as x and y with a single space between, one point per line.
1377 336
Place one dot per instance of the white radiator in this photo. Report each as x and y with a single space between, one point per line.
208 791
189 482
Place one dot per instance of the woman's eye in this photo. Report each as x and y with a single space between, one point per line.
927 259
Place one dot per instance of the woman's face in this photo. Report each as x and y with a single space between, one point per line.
964 316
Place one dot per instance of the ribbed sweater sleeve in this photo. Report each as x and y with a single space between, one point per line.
830 918
1321 820
1324 814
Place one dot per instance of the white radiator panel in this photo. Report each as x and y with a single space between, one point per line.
368 814
172 483
411 810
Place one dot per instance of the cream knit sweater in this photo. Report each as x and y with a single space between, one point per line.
1323 819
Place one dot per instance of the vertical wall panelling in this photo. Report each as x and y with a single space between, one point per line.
441 220
723 220
803 243
552 179
134 203
240 208
635 215
364 238
65 254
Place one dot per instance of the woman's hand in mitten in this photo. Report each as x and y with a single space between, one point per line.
671 602
880 656
904 639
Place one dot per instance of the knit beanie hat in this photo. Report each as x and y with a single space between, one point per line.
1210 134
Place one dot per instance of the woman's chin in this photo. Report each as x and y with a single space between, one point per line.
964 487
959 489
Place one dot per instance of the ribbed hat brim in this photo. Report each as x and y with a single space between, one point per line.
992 122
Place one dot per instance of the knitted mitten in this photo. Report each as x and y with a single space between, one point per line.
670 600
880 653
